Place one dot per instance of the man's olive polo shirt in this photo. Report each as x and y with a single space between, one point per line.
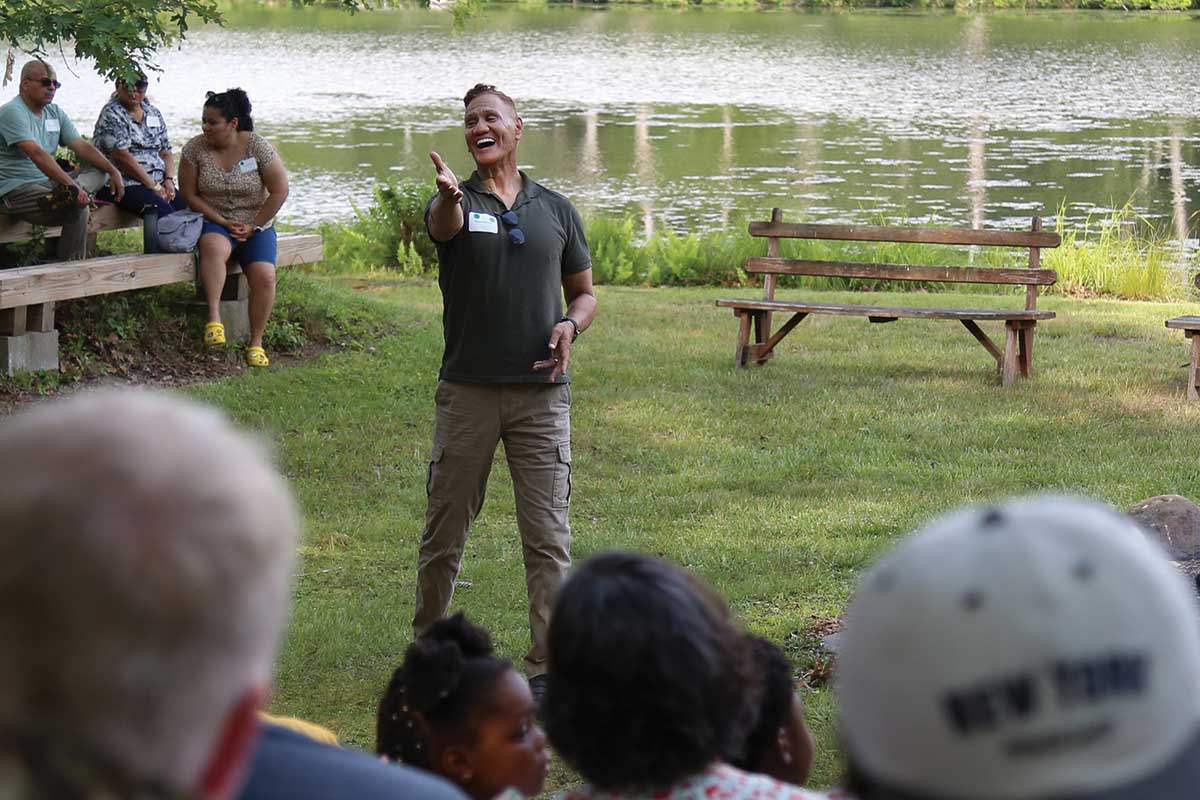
501 299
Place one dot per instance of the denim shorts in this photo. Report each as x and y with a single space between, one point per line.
260 246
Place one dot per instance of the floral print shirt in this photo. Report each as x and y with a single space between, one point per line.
717 782
117 130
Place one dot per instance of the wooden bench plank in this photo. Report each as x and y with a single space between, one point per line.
1184 323
66 280
902 272
896 312
69 279
100 219
888 233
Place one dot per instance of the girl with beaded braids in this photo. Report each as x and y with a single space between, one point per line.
455 709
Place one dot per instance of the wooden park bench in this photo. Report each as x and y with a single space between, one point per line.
1016 356
28 340
1191 329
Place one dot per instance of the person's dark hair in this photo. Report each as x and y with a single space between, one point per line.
487 88
229 104
648 674
773 672
441 685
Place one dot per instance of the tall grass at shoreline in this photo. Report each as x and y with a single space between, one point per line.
1117 255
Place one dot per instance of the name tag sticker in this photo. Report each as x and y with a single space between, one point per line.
482 223
248 164
153 122
52 125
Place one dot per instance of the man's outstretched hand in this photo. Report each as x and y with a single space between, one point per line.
447 184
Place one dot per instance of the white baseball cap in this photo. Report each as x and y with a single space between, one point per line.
1042 648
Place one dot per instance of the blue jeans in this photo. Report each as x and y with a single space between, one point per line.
138 196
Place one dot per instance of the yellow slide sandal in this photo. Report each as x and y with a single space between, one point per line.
214 334
257 357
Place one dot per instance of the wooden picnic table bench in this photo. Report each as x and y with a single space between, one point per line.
1191 329
1016 356
28 340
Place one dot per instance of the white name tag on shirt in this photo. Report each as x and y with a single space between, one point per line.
482 223
52 125
248 164
153 122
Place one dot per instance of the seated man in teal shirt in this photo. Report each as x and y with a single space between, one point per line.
31 129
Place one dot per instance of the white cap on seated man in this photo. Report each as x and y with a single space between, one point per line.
1040 649
146 552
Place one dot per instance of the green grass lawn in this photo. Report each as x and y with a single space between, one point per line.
776 484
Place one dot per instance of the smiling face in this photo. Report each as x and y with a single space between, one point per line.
493 130
509 749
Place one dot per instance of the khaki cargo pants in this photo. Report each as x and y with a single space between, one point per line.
533 421
22 203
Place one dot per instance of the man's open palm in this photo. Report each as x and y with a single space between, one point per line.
447 183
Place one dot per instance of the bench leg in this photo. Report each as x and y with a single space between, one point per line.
1025 353
1008 365
28 341
1194 371
13 321
742 351
40 318
762 332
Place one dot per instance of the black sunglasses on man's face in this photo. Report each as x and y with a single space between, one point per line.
47 82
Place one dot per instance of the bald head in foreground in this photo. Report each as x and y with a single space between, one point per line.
145 563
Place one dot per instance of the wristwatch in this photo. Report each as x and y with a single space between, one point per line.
574 325
259 228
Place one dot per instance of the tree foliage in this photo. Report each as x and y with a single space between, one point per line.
120 36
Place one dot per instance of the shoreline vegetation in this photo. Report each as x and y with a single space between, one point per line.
1118 255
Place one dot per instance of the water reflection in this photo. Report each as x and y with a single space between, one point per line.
699 118
1178 195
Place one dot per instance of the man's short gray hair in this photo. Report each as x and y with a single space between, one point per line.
146 550
30 67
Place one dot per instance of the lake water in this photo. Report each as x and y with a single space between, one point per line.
692 118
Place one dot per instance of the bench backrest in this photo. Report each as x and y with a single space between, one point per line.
1031 277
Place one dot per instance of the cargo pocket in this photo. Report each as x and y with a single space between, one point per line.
562 476
435 463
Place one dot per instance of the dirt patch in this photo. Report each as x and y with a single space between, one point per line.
147 340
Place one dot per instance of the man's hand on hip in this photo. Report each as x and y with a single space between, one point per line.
560 350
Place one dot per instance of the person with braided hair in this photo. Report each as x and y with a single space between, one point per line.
455 709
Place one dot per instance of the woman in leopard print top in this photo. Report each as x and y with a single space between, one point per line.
235 178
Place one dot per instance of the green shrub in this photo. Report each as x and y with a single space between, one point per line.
388 235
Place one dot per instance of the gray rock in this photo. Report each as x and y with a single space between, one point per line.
1172 520
832 643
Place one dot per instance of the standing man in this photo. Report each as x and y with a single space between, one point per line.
509 251
33 187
